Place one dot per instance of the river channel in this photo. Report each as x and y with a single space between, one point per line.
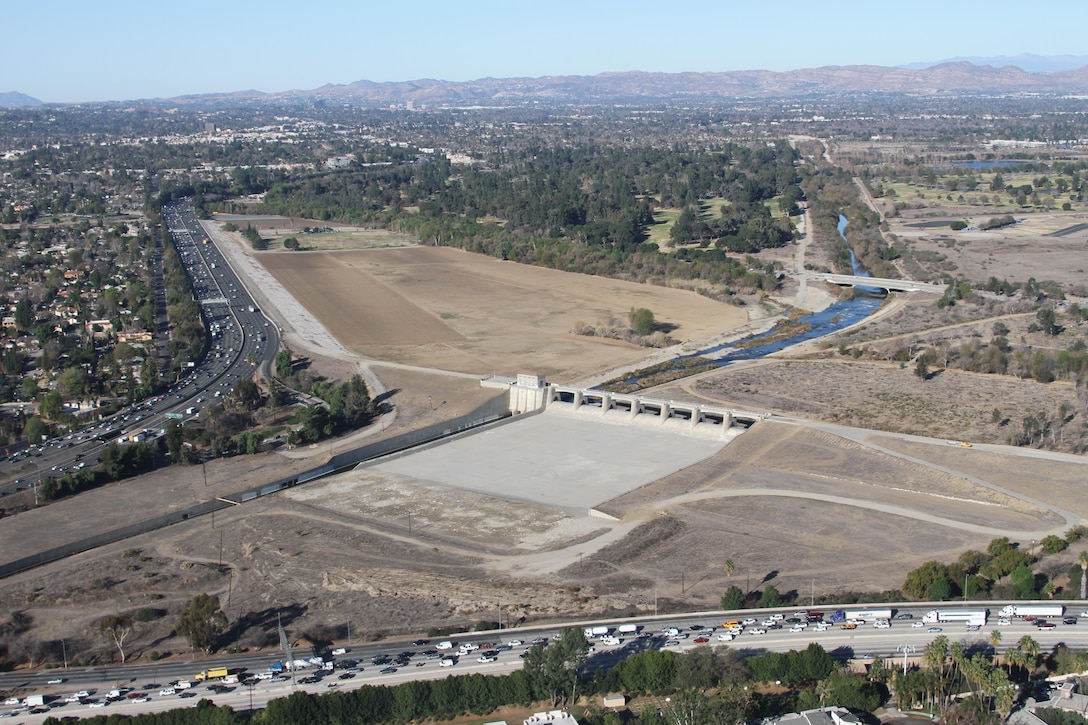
838 316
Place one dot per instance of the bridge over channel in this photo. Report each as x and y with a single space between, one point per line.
892 285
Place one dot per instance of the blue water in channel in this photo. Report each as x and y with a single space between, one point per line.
838 316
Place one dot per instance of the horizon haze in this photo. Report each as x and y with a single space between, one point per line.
120 50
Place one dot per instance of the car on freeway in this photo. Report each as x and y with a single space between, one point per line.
700 640
58 681
421 642
516 643
757 630
917 624
141 699
447 662
1047 625
487 658
1004 622
749 620
1069 620
387 670
797 628
167 692
973 628
934 630
848 625
905 615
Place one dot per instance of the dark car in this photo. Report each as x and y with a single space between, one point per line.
1069 620
388 670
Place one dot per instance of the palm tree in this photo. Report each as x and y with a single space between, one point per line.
1030 648
995 641
729 567
1083 559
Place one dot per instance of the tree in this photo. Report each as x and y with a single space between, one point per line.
1023 581
995 641
34 429
1083 560
283 363
642 321
201 622
770 597
1048 321
922 581
697 670
116 627
175 437
24 314
733 598
247 394
553 670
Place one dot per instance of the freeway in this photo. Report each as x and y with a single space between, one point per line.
860 644
240 341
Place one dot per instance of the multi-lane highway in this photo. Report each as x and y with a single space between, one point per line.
240 340
422 658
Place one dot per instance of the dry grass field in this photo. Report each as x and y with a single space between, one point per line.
448 309
1033 247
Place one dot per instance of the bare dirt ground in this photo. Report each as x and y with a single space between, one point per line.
1038 245
790 505
448 309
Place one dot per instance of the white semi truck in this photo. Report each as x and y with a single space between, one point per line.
867 615
969 617
1032 610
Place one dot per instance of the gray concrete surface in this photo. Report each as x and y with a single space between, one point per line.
558 459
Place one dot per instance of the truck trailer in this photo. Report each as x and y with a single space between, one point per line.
867 615
967 616
1032 610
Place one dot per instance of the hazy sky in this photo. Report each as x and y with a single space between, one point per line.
97 50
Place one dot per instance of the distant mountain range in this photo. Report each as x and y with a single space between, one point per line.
955 77
1025 61
634 86
13 99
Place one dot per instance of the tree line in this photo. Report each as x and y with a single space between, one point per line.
584 208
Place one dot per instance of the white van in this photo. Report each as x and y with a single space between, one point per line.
444 645
611 641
